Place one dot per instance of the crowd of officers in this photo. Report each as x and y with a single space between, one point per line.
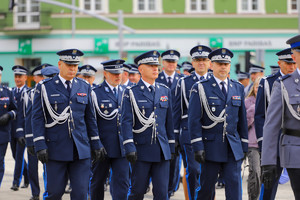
136 126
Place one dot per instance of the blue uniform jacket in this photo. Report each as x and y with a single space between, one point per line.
110 130
7 105
211 140
57 139
163 146
181 109
261 106
28 127
18 124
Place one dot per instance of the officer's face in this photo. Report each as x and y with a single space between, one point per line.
20 80
186 72
245 81
296 57
67 71
37 79
286 68
221 70
201 65
255 75
89 79
124 77
149 72
169 66
112 79
134 78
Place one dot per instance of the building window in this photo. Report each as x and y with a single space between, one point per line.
147 6
251 6
27 14
292 6
97 6
199 6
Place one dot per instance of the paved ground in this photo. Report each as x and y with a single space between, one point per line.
284 191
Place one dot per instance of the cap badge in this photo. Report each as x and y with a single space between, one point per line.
223 51
171 52
200 48
154 53
74 51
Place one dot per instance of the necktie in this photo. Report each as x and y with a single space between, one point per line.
151 89
68 86
201 78
169 82
223 89
18 90
115 93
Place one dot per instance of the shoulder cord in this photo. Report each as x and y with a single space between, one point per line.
110 116
267 94
145 121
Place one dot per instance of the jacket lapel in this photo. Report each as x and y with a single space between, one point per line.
145 90
216 89
75 87
60 86
230 91
109 92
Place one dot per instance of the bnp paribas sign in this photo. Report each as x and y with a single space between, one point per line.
25 46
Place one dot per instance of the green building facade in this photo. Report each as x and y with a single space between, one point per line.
32 31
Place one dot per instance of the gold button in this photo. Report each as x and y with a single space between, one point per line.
70 102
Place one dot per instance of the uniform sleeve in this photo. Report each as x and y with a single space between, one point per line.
242 126
91 124
272 126
127 123
28 127
169 124
177 110
194 119
21 117
12 106
259 117
38 121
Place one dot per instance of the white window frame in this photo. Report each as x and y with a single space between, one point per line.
209 10
289 7
158 7
28 14
261 8
104 6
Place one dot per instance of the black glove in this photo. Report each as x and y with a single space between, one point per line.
4 119
268 175
30 150
131 157
43 155
177 148
21 141
99 154
200 156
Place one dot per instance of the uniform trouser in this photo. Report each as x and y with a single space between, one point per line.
294 175
33 174
269 194
192 170
142 171
3 148
119 178
254 173
232 178
174 176
20 163
56 174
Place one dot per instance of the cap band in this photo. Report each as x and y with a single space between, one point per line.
148 60
170 57
288 56
87 72
203 54
20 71
254 70
70 58
221 58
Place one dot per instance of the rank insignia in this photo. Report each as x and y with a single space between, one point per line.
142 87
110 105
4 99
214 84
296 80
213 109
57 81
164 98
161 77
236 97
81 94
194 78
105 112
106 89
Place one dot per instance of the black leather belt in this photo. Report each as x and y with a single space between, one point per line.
291 132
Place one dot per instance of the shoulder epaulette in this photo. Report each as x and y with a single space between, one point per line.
5 87
284 77
45 80
80 79
161 84
235 81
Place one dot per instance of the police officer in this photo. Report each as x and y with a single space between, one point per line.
134 74
244 79
107 99
201 63
147 108
186 66
287 66
178 69
32 159
274 69
170 78
88 73
8 111
17 141
218 128
283 113
255 72
125 76
64 129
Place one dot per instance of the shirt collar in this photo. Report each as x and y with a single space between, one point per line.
219 81
198 76
20 89
126 83
111 87
64 80
147 84
282 74
298 70
166 75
